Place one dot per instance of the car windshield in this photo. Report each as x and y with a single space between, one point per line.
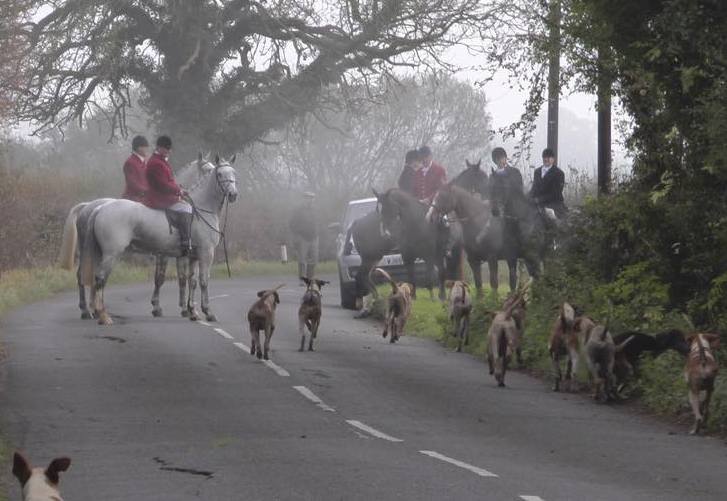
358 209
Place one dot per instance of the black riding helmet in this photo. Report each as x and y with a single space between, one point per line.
497 153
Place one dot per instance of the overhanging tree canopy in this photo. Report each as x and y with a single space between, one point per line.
221 72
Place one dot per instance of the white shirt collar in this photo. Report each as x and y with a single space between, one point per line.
140 157
546 169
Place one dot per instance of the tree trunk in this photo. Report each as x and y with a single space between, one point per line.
604 126
554 75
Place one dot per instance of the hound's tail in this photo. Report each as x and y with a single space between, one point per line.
67 257
567 316
394 287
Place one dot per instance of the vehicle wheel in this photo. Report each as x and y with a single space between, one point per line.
348 295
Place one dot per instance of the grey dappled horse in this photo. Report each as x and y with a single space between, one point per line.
491 238
74 235
119 224
404 218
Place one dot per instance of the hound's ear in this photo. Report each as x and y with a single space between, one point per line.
233 158
277 297
449 284
21 468
305 280
261 293
467 162
55 467
321 283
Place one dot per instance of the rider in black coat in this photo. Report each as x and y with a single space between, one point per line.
547 189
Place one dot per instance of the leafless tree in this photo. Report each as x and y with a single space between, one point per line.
222 72
344 152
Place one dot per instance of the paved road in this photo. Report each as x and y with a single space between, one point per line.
167 409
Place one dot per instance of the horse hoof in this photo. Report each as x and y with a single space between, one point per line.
185 313
259 355
194 317
86 316
266 357
310 348
211 318
156 313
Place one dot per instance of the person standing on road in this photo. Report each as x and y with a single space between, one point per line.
304 229
548 183
166 194
135 171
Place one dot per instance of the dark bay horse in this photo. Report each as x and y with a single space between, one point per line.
519 234
404 218
473 179
367 234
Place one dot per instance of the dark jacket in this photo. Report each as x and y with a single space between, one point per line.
407 182
548 191
163 189
303 223
502 183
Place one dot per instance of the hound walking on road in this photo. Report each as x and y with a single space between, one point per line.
309 313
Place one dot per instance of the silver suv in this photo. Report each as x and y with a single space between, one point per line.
348 264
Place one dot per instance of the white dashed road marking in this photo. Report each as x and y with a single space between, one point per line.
372 431
278 370
479 471
313 398
202 322
243 347
531 498
219 296
223 333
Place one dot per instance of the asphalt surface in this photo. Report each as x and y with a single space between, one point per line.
168 409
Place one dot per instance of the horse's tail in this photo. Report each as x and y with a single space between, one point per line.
91 252
394 286
70 238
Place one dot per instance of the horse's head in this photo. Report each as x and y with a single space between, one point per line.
390 211
473 166
443 203
226 177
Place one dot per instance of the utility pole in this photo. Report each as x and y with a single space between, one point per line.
604 124
553 74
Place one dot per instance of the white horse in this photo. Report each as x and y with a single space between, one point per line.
74 235
117 225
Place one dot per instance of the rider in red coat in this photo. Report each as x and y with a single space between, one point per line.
165 193
430 177
135 171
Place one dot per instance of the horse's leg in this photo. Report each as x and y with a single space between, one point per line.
512 268
442 279
192 271
494 280
476 267
100 277
160 273
182 279
82 304
204 280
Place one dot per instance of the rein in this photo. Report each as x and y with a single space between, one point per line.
197 211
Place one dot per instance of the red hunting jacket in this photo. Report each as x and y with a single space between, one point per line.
135 174
163 189
427 185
